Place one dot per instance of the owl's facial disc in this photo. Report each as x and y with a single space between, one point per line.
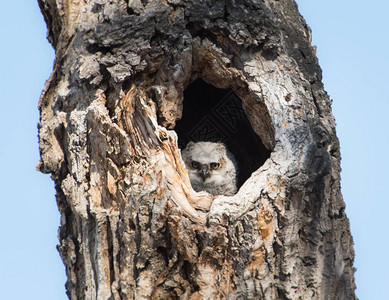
210 168
204 170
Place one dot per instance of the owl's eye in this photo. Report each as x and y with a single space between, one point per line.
215 166
195 165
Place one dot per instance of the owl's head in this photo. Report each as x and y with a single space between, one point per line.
210 165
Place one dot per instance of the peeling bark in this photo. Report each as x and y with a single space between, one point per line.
131 225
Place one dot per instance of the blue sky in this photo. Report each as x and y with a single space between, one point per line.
352 47
351 37
30 266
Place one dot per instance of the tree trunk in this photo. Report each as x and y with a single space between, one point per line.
131 225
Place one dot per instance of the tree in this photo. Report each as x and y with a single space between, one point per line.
131 225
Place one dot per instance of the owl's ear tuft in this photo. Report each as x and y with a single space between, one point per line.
190 145
220 146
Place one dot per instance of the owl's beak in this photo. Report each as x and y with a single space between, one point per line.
204 172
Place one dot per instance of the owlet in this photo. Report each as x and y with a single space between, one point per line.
211 168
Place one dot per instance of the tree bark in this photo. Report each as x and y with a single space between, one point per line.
131 225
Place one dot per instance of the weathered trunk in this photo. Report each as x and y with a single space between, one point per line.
131 225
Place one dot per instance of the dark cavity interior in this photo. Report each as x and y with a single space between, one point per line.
217 115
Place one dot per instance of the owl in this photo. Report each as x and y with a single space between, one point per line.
211 167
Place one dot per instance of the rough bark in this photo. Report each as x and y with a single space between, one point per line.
131 225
